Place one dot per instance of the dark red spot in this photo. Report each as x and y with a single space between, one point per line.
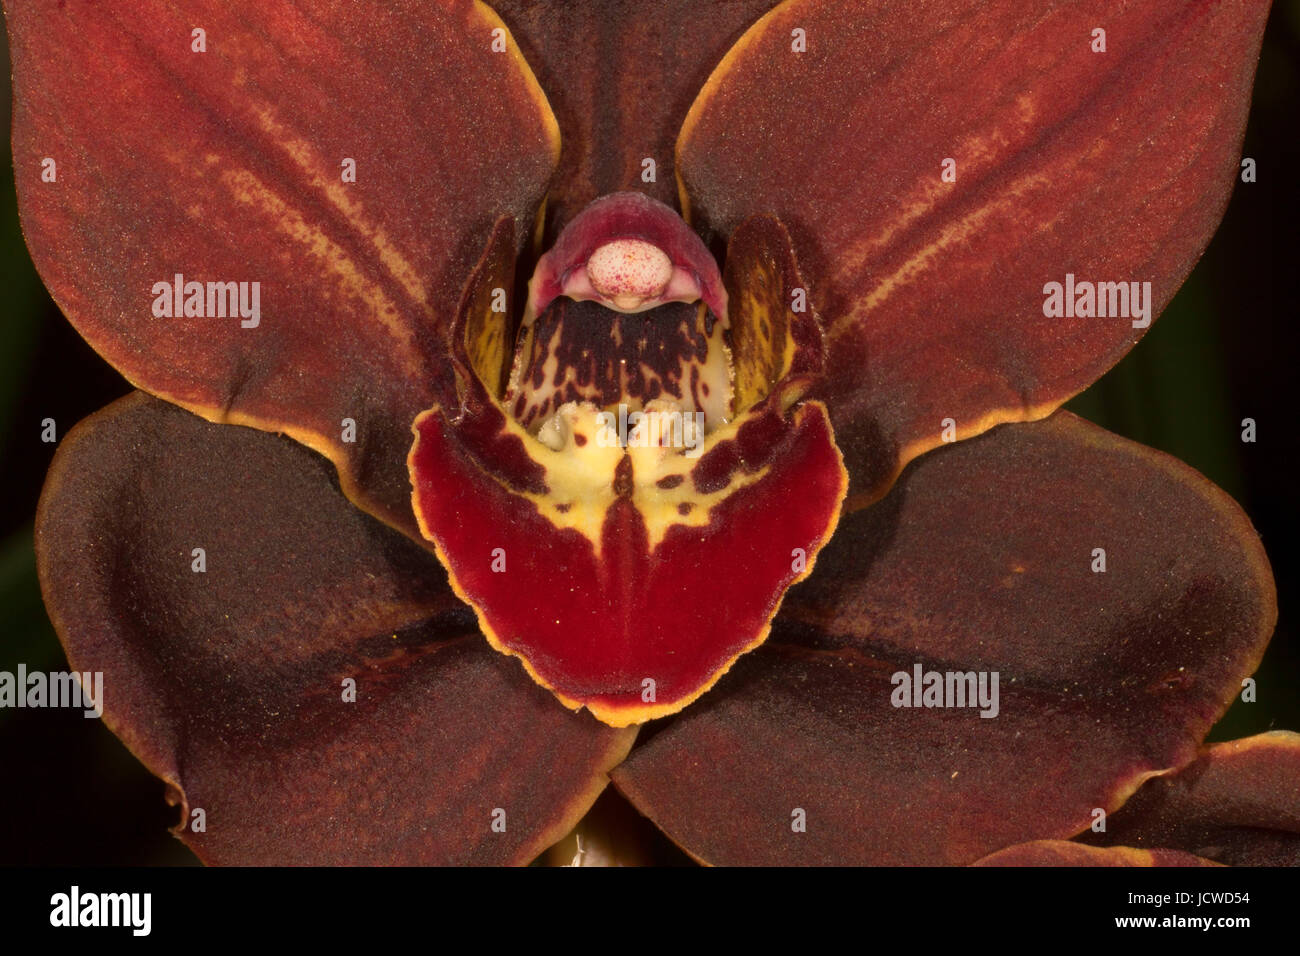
623 478
713 472
751 442
590 367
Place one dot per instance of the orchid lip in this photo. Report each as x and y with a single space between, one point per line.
624 507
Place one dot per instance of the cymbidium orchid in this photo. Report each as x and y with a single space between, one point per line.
515 378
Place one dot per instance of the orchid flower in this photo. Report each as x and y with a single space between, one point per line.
549 394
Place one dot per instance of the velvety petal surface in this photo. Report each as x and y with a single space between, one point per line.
1065 853
349 159
1110 166
313 686
1238 803
621 75
979 561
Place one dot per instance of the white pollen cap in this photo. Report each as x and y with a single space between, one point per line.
629 271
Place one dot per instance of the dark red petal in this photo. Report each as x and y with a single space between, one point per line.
230 683
1065 853
980 559
1112 167
228 165
626 582
621 75
1238 803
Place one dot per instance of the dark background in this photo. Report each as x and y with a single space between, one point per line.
1224 350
